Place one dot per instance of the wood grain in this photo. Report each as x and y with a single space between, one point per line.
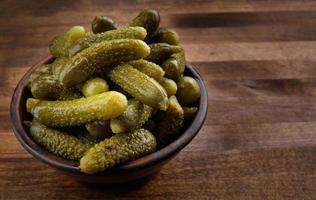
258 61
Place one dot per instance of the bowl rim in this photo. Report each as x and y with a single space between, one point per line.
151 159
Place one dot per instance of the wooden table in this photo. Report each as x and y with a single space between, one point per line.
258 60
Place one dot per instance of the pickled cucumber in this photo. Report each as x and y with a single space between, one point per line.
122 33
42 70
58 65
60 44
98 128
58 142
102 24
149 68
169 85
174 66
101 55
149 19
102 106
134 117
30 103
161 51
189 113
118 149
46 87
165 35
140 86
170 124
188 90
94 86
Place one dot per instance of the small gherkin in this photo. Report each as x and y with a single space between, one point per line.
42 70
118 149
170 123
149 68
165 35
161 51
174 66
134 117
57 142
149 19
121 33
101 56
102 24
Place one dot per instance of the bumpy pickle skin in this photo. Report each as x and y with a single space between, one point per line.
149 19
161 51
189 113
58 65
42 70
103 106
138 33
169 85
165 35
57 142
60 44
120 148
140 86
94 86
102 24
170 123
174 66
46 87
188 90
149 68
134 117
101 56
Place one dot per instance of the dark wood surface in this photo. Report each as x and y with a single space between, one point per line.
258 60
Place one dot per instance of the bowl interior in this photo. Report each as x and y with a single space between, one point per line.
19 115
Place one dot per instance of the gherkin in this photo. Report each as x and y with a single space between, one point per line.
102 24
174 66
46 87
42 70
58 65
100 56
98 128
118 149
140 86
149 19
161 51
149 68
169 85
189 113
103 106
57 142
165 35
94 86
171 122
134 117
188 90
121 33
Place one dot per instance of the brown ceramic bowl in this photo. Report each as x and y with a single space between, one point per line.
134 170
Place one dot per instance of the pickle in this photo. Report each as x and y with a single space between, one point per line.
134 117
94 86
140 86
101 55
165 35
170 124
169 85
102 24
57 142
42 70
118 149
58 65
60 44
188 90
122 33
189 113
102 106
86 138
161 51
46 87
69 94
98 128
149 68
30 103
174 66
149 19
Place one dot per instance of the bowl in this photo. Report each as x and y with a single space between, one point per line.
131 171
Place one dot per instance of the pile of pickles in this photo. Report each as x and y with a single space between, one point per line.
111 95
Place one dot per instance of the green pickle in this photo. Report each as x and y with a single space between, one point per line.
99 56
140 86
122 33
171 122
149 19
188 90
161 51
169 85
134 117
149 68
103 106
118 149
94 86
98 128
46 87
57 142
174 66
102 24
165 35
58 65
30 103
42 70
189 113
